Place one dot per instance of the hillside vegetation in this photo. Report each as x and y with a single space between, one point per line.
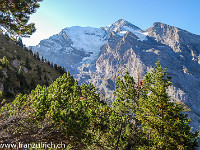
141 117
21 70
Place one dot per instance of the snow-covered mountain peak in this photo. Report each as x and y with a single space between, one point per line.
88 39
74 45
82 43
122 25
83 30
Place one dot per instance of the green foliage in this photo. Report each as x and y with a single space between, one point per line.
15 15
39 72
66 108
27 64
51 64
46 80
61 69
141 117
71 110
5 62
8 74
99 114
22 79
56 66
123 127
163 124
37 56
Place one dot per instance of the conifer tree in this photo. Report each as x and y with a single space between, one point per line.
124 126
98 113
37 56
39 72
22 79
34 55
46 80
27 64
30 51
51 65
32 83
60 69
48 62
14 16
56 66
54 113
163 123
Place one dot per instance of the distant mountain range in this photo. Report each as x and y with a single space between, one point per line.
100 55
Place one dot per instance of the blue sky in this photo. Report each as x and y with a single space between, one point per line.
54 15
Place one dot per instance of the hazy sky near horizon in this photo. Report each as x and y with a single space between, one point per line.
55 15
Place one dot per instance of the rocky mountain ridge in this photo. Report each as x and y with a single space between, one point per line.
100 55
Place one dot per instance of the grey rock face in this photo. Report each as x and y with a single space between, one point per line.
73 46
123 47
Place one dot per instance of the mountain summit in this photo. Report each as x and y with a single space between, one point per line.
82 45
172 36
100 55
122 25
